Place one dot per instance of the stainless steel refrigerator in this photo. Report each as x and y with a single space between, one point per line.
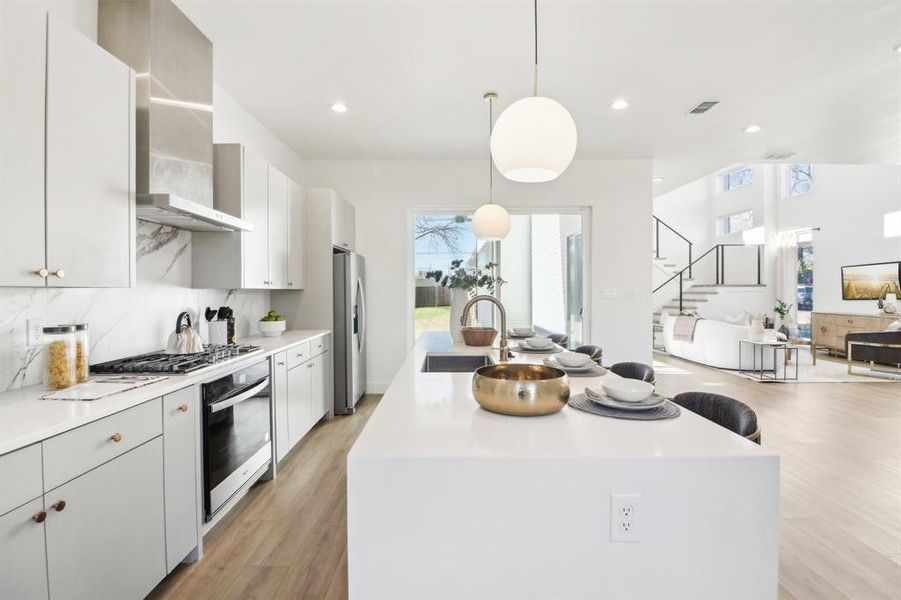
350 331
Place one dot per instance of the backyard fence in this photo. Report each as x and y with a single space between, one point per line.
432 295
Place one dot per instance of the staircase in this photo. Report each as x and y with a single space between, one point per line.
675 271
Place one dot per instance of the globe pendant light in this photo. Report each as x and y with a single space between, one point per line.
534 139
491 222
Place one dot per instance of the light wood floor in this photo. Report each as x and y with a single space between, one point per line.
840 448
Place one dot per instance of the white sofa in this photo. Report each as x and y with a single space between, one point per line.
715 344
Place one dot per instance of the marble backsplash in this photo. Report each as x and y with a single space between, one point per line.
122 321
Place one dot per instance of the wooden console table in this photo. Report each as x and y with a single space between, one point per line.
828 330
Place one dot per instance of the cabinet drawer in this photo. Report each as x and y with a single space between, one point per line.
20 477
70 454
320 345
298 354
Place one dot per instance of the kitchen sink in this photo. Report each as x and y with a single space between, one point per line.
436 362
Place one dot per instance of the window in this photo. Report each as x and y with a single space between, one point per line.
438 240
541 262
737 178
800 179
804 296
735 223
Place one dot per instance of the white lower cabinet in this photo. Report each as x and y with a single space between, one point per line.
280 404
23 559
300 392
181 424
108 540
299 402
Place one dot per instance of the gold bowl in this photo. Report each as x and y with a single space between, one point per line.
521 390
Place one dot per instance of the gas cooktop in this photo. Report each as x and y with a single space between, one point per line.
176 364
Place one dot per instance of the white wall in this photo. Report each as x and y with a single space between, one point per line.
385 192
847 204
130 321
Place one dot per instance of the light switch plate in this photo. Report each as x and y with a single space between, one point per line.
34 332
625 517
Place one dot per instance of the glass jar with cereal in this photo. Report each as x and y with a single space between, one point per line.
59 357
82 351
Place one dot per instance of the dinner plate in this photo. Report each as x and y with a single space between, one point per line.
653 401
529 350
553 362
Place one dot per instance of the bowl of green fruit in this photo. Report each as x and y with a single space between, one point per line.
272 324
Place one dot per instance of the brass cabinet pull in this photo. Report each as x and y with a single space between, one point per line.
319 346
183 408
39 516
281 363
42 272
116 437
290 283
59 273
300 355
59 505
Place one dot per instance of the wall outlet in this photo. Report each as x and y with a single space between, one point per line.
625 516
34 332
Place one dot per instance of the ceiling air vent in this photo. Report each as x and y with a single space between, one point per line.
703 107
778 156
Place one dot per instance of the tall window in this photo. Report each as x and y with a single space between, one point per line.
735 223
540 260
738 177
438 240
804 296
800 179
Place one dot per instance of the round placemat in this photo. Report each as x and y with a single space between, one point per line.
669 410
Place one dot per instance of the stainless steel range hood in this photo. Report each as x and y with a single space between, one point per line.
174 89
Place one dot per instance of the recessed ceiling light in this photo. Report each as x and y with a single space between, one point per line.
898 48
619 104
658 179
339 107
752 128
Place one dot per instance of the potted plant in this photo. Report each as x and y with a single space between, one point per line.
463 281
782 310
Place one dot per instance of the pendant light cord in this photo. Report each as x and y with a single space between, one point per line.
490 165
535 83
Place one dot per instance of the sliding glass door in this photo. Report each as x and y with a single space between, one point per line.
541 261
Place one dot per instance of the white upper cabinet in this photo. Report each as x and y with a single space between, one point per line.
270 256
90 146
256 210
296 237
23 35
278 228
67 118
344 218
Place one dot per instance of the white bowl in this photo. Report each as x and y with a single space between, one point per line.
272 328
628 390
524 331
539 342
573 359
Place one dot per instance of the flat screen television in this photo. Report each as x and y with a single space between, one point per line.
871 282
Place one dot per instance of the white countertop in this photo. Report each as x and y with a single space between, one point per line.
25 418
435 415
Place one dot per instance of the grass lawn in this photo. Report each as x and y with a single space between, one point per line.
431 318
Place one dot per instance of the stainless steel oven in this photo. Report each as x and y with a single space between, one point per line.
236 433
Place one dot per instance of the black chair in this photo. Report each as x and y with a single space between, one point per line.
634 370
559 338
594 352
726 412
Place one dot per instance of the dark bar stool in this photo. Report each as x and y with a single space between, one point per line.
559 338
726 412
634 370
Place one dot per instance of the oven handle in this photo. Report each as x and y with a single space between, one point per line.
223 404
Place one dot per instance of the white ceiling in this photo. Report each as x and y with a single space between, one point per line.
820 77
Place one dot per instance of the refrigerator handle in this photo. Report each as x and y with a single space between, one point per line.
362 313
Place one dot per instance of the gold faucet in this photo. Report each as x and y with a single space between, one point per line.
464 319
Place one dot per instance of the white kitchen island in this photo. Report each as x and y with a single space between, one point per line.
447 500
